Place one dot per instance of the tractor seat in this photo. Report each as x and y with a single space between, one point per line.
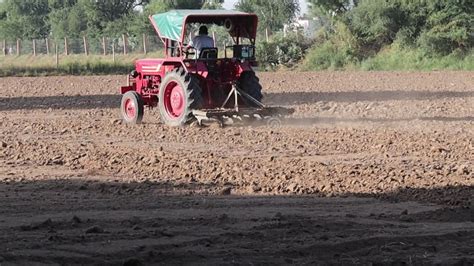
208 53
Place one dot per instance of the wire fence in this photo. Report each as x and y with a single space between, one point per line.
86 46
95 46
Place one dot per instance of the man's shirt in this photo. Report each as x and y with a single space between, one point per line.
201 41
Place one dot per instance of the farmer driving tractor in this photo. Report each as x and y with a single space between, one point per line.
201 41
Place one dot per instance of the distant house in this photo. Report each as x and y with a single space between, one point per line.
307 26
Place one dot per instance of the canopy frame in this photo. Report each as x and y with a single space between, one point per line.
171 26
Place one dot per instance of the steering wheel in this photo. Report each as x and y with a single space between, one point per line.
190 51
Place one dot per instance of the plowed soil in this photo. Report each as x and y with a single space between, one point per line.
372 168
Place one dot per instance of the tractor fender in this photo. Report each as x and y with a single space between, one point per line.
170 65
125 89
199 68
196 67
243 67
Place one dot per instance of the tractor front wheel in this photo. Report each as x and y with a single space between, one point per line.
180 93
132 108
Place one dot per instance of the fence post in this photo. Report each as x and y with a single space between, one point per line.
214 38
266 34
66 50
144 44
57 54
113 52
4 48
47 45
104 47
225 49
18 47
34 47
85 46
124 39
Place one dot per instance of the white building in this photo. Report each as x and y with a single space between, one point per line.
305 25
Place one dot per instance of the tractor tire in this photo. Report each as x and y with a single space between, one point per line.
132 108
180 94
249 83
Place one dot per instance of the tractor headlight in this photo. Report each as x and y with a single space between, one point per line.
134 74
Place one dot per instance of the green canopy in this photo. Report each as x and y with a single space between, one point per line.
169 25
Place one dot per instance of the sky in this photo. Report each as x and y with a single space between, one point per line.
229 4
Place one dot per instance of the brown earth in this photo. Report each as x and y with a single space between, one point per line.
372 168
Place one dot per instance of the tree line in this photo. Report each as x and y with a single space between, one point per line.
352 31
37 19
436 26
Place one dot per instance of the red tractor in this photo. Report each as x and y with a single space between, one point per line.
186 86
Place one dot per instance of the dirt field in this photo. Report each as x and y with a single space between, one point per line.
372 168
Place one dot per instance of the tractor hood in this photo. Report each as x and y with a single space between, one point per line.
170 25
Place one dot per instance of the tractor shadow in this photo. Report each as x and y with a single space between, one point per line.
280 98
61 102
291 121
299 98
302 98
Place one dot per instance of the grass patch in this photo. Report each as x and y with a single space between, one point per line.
413 59
323 57
332 57
44 65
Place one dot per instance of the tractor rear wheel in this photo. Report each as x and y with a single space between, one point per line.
180 93
132 107
249 83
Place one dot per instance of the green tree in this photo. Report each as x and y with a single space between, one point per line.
25 19
66 19
111 17
213 4
430 28
375 23
110 10
159 6
273 14
449 27
336 7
